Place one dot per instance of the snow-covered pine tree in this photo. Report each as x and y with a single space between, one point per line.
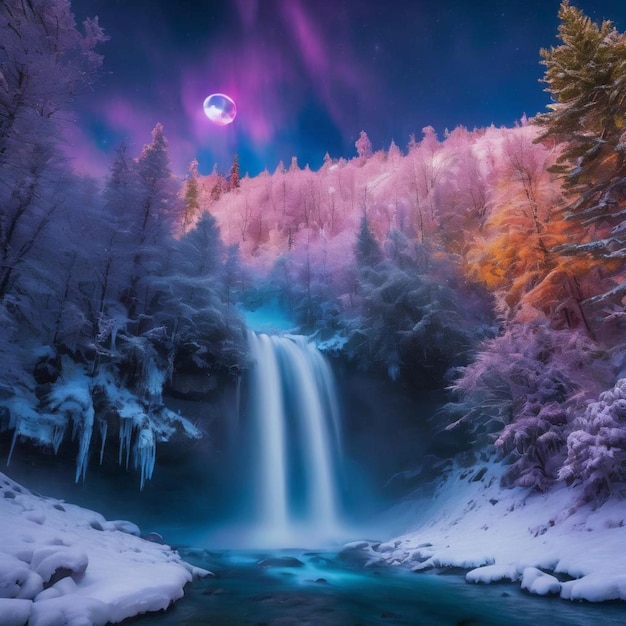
367 252
44 61
596 448
586 77
363 146
191 198
234 177
153 219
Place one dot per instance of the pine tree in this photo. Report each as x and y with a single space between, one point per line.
363 146
192 197
368 252
44 61
157 211
234 177
394 153
586 77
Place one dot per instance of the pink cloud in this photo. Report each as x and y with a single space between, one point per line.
128 119
326 53
313 50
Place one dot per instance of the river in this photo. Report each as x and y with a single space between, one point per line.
289 588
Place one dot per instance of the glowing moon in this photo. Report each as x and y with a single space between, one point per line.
220 109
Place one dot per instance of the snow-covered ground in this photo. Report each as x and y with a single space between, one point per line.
62 564
545 542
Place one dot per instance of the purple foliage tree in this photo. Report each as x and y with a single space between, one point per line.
596 448
521 389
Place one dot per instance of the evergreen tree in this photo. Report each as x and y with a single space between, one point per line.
156 211
394 153
232 273
234 176
156 176
192 196
596 448
44 61
586 77
368 252
363 146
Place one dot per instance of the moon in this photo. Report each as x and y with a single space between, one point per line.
220 109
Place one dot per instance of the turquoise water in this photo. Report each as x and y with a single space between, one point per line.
289 588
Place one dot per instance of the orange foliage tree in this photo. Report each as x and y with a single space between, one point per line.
586 77
516 254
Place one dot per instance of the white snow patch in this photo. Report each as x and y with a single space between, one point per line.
493 574
333 344
15 612
100 571
464 558
597 587
538 582
499 534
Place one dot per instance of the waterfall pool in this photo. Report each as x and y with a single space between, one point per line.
318 588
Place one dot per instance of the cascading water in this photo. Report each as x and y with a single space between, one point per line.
292 410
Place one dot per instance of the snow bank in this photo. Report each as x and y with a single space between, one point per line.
541 541
540 583
62 564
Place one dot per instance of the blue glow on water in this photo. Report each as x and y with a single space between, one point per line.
270 318
327 588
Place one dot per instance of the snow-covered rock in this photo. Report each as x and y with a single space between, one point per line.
540 583
62 564
493 574
15 612
596 587
515 535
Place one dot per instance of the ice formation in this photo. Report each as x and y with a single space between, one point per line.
142 418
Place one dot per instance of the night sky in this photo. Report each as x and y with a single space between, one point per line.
309 75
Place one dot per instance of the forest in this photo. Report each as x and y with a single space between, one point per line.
485 262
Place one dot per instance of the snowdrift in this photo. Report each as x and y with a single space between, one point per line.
550 543
62 564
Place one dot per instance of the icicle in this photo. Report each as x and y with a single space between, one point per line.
144 454
82 459
47 429
13 440
58 434
126 433
152 382
103 427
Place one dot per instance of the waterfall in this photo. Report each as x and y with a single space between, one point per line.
293 414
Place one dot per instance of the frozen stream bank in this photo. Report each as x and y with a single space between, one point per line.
297 588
